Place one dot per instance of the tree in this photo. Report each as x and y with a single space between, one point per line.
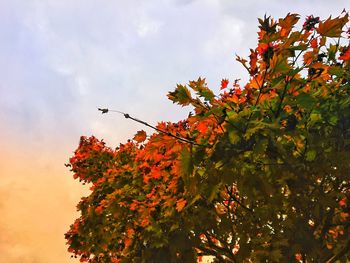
259 173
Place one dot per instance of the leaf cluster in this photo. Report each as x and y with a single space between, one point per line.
263 175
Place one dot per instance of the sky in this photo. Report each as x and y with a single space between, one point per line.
61 59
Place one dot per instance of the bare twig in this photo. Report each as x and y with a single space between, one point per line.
128 116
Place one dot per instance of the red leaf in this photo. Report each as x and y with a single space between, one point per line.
342 202
313 43
224 83
346 55
98 210
140 136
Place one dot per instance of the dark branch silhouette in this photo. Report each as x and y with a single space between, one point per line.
127 116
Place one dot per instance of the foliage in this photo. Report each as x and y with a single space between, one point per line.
263 175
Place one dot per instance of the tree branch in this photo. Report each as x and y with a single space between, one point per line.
128 116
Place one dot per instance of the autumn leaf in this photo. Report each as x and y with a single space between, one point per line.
140 136
253 58
233 98
313 43
180 204
309 57
181 95
342 202
345 55
289 21
98 210
279 64
224 83
256 82
332 27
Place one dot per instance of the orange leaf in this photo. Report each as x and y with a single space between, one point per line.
253 60
257 82
133 206
332 27
127 242
145 221
329 246
342 202
202 127
308 57
288 108
233 98
98 210
289 21
346 55
344 215
140 136
156 173
224 83
313 43
180 204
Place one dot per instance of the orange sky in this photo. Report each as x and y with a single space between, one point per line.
37 205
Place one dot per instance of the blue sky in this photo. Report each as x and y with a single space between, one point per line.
61 59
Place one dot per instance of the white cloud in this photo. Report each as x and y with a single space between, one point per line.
146 26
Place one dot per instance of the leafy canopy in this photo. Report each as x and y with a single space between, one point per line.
262 172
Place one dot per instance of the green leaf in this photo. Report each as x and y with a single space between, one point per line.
279 64
305 100
310 155
181 95
333 120
207 94
314 117
186 162
332 50
233 136
201 89
213 190
335 70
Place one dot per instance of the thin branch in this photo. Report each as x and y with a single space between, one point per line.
128 116
340 254
236 200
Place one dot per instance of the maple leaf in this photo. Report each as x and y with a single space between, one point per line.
140 136
224 83
345 55
257 83
268 25
289 21
253 60
313 43
180 95
308 57
342 202
332 27
98 210
233 98
180 204
310 22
